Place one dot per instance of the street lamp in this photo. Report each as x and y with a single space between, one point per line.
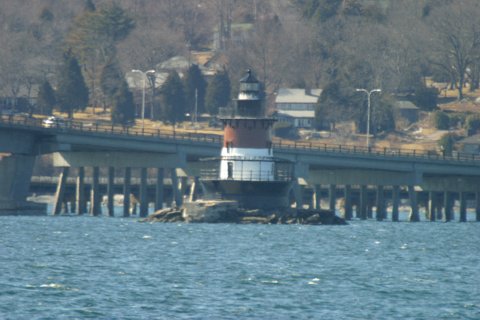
144 77
368 110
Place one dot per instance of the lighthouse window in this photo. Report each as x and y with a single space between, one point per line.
229 146
230 170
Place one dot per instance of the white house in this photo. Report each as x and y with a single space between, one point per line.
297 106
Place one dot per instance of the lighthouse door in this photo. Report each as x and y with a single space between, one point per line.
230 170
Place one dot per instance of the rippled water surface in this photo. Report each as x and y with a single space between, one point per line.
114 268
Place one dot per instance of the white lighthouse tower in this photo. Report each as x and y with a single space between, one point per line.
249 173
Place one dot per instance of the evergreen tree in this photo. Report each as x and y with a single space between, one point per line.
218 93
111 79
195 82
46 99
173 99
123 108
89 6
72 93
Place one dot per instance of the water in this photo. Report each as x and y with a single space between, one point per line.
115 268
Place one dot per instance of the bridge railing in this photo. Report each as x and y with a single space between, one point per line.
104 127
381 152
109 129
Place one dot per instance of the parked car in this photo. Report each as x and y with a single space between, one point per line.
54 122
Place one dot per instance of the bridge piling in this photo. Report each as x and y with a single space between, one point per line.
447 205
175 190
463 206
126 191
95 205
413 196
110 187
159 189
363 202
395 202
477 206
431 206
380 214
60 193
80 192
348 202
143 193
332 197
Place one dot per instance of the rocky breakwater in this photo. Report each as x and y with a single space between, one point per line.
218 211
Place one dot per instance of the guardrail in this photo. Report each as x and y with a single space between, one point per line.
383 152
110 129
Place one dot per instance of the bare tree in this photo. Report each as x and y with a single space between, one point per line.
457 39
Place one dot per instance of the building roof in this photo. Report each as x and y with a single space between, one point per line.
135 80
293 95
475 139
405 105
297 113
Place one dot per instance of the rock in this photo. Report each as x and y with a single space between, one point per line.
222 211
211 211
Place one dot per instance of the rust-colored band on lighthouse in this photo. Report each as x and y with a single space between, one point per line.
247 133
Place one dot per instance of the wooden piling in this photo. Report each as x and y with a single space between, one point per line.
60 192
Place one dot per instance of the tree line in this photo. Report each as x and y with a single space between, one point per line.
336 45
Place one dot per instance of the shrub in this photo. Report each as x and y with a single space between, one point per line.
441 120
447 143
472 124
426 98
284 130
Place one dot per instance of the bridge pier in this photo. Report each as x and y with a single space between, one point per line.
16 172
477 206
110 192
80 199
126 191
95 205
395 202
348 202
432 203
463 206
412 194
59 194
380 214
363 202
332 197
159 189
143 193
447 205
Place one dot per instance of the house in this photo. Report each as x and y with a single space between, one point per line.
406 110
24 96
470 144
297 106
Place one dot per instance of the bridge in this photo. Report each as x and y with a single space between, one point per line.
385 171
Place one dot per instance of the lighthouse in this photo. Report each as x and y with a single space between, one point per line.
247 170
